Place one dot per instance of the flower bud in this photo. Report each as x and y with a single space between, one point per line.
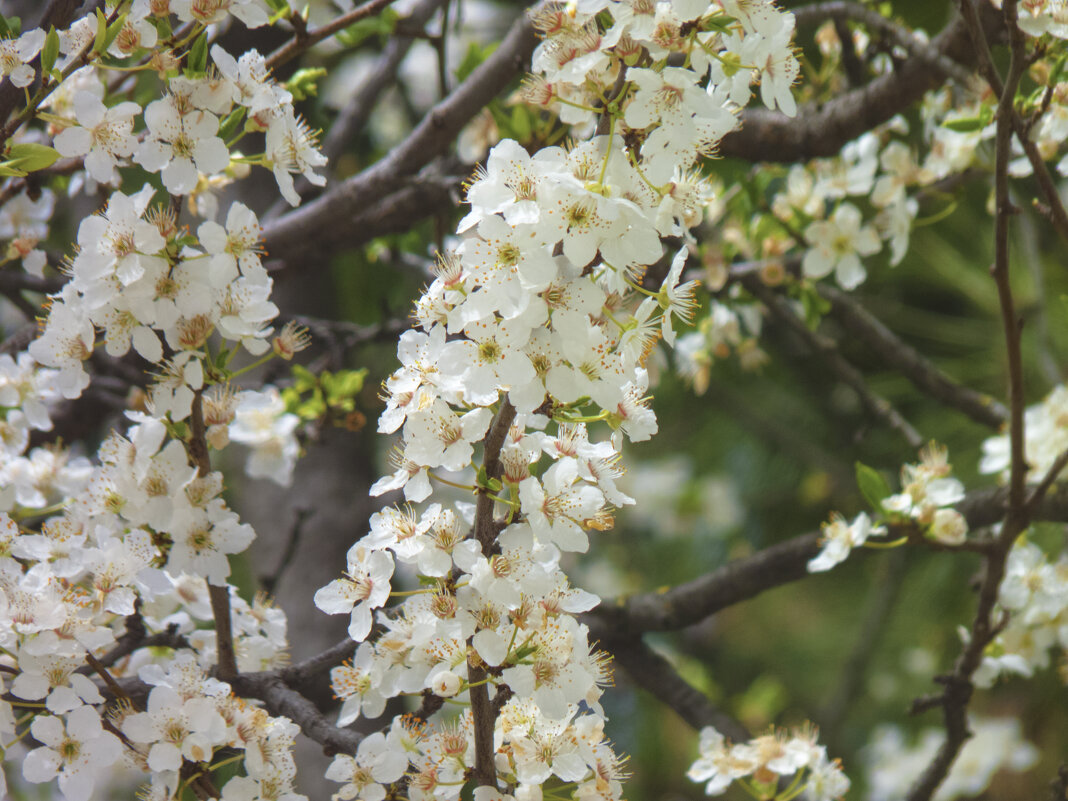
445 683
949 527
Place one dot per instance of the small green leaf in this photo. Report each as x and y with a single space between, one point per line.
381 26
303 378
474 56
9 171
291 398
101 32
50 51
352 381
230 124
814 305
197 59
521 123
10 27
30 156
483 480
303 83
719 22
872 485
114 29
971 124
163 27
278 6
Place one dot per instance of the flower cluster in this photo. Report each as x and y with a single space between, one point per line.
1034 593
535 330
764 761
837 215
1045 439
925 503
138 538
927 495
996 744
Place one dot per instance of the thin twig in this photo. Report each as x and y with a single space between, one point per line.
305 38
1054 210
268 583
842 10
1044 486
958 684
219 596
828 352
923 374
482 712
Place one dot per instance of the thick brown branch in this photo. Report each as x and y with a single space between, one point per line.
329 217
822 130
283 700
690 603
656 675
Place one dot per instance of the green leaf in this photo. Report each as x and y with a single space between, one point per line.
278 6
360 31
303 378
872 485
303 83
8 171
197 59
483 480
10 27
30 156
970 124
163 27
5 29
230 124
474 56
342 386
719 22
50 51
114 29
813 303
101 32
521 124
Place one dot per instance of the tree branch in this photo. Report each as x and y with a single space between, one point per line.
923 374
483 713
283 700
219 596
329 217
692 602
843 10
305 38
657 676
828 352
821 130
958 685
